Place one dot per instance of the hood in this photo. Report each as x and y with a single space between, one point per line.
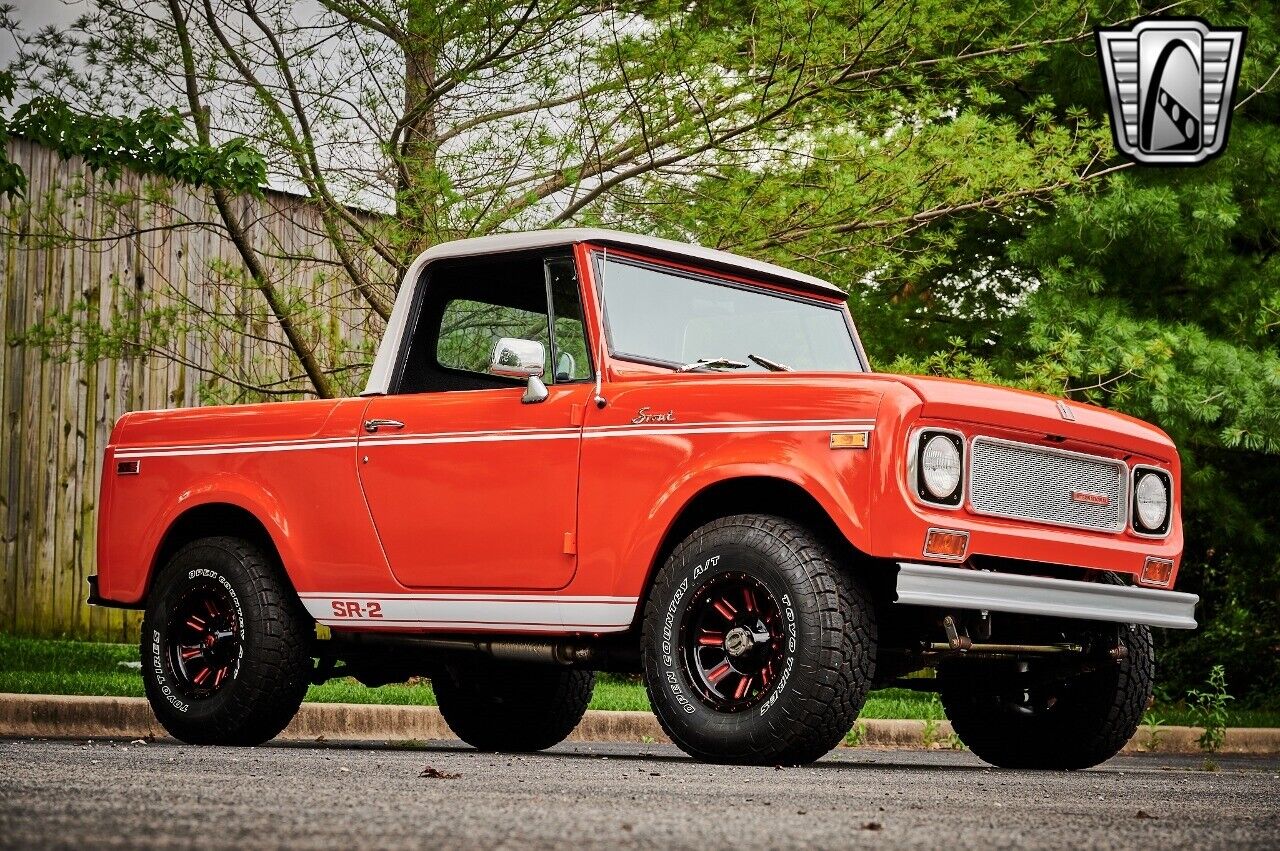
967 401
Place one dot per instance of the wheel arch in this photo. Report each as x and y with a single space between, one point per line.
210 519
751 494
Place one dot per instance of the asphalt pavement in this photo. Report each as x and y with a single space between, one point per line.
95 794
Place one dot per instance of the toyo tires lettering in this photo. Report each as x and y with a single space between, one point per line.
157 666
789 613
668 642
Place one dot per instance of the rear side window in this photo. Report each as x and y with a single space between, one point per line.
571 360
466 306
469 330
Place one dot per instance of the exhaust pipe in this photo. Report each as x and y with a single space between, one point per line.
565 653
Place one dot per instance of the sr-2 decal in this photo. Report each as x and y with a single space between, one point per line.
531 613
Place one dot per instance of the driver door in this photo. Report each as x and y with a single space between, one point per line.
468 485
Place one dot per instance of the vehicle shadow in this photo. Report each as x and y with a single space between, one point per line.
844 759
839 760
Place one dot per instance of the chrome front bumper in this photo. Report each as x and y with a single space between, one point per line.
959 588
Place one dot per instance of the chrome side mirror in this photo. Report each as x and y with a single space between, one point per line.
534 391
516 358
566 367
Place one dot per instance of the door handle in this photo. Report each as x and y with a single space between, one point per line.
372 426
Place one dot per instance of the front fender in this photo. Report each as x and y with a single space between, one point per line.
830 488
635 485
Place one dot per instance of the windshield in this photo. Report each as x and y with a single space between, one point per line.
659 315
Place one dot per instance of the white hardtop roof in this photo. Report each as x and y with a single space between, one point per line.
380 376
539 239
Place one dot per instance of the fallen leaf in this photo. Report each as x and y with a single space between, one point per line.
873 825
626 826
437 774
1144 814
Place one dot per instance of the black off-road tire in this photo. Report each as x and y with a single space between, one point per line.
265 684
822 670
512 707
1094 714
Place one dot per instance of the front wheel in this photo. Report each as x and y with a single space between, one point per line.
758 648
1015 716
225 645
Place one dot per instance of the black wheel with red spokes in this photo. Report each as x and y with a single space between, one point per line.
226 645
734 641
203 641
758 648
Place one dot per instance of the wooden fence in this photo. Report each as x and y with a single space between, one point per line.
78 249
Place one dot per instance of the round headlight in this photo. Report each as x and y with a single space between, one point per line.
940 466
1151 501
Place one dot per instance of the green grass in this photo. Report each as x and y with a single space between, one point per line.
47 666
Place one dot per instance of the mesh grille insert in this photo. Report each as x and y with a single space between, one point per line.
1028 482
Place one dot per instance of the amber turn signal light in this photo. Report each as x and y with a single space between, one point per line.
946 543
1157 571
849 440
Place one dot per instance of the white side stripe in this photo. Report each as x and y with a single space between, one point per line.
639 431
236 449
472 611
597 432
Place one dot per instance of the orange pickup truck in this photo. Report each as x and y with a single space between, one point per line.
583 450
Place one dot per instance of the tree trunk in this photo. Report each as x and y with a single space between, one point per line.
417 201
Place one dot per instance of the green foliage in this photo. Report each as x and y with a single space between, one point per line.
154 142
1152 730
1210 708
929 732
13 183
1155 293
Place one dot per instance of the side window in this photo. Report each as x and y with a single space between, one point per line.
469 304
469 330
572 363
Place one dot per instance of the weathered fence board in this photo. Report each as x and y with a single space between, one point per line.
76 245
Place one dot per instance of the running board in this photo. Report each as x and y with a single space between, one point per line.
961 588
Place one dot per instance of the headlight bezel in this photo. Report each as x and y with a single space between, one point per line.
919 440
1136 524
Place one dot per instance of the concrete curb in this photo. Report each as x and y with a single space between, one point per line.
72 717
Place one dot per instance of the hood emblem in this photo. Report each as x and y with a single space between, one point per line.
1065 411
645 416
1091 498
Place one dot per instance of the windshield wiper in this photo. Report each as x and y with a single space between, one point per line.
771 365
712 363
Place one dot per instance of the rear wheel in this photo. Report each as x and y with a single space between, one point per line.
1016 716
225 645
758 649
511 706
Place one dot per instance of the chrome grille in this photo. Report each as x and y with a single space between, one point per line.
1028 482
